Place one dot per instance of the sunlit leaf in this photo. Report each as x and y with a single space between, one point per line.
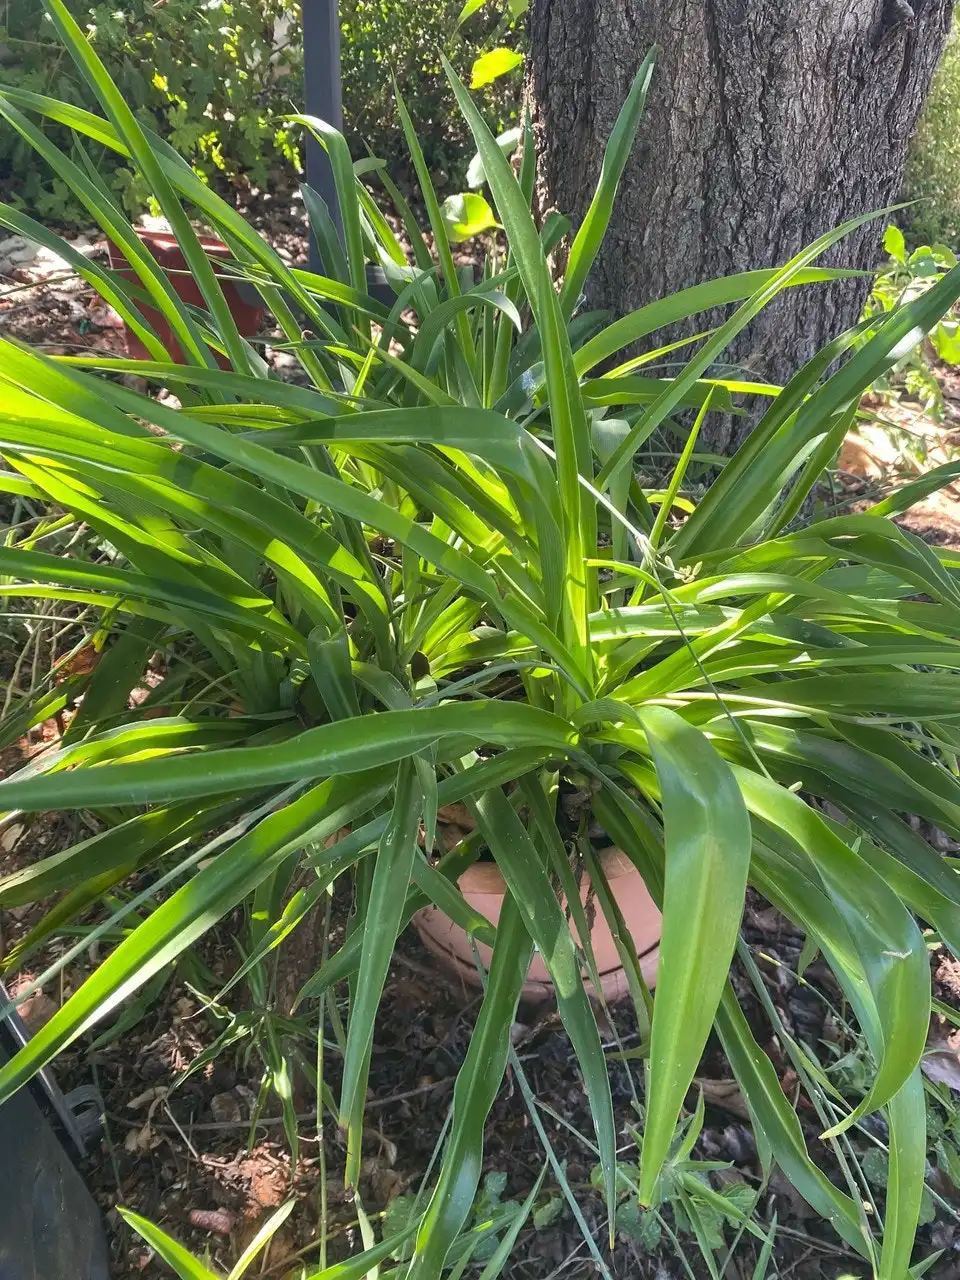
492 65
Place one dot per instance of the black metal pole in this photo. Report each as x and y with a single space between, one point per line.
321 86
321 91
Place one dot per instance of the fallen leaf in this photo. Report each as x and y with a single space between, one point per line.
724 1094
144 1139
9 837
266 1182
282 1244
942 1066
37 1009
149 1095
81 664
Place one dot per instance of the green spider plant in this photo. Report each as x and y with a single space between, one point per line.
434 574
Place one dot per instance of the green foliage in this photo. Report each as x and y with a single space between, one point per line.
493 64
932 174
381 39
212 78
216 79
686 1189
428 571
906 276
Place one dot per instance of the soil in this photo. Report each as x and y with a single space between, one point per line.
185 1153
897 445
186 1156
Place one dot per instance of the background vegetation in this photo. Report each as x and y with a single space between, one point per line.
216 85
933 169
217 77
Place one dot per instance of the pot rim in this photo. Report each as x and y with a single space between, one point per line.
486 877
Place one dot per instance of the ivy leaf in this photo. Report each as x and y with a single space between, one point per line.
466 215
476 174
492 65
894 243
548 1213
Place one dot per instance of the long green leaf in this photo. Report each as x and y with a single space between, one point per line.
776 1120
528 883
129 129
177 923
344 747
707 835
476 1088
593 228
887 939
382 923
721 339
171 1251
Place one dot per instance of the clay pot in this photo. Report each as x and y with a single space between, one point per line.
483 887
244 302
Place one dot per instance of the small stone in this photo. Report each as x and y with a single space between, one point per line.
11 836
26 253
84 245
50 263
226 1108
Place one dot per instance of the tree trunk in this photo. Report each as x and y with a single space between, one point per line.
767 124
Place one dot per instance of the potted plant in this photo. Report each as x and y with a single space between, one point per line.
246 306
615 950
436 576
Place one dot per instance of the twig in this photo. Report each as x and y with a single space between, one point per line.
190 1147
213 1126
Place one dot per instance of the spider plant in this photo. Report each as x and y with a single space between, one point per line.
431 571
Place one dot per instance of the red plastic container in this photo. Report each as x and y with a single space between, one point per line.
169 256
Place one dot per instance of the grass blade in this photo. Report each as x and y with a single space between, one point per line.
177 923
127 127
526 878
171 1251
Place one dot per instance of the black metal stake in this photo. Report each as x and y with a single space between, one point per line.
322 96
321 89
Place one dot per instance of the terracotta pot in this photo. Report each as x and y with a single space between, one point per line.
245 304
482 886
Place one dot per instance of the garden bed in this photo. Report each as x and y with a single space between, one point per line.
179 1153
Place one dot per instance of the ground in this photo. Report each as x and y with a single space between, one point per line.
184 1153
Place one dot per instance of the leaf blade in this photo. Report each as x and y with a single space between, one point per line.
707 838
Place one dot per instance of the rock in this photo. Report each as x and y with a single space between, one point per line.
48 263
86 246
10 836
25 254
226 1108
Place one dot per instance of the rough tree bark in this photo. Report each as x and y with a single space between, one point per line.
768 123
